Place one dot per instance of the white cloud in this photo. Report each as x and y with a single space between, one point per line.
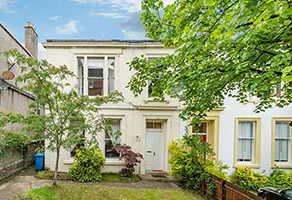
4 5
109 15
55 17
127 5
134 35
87 1
67 29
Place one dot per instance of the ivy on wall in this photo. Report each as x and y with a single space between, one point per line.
13 140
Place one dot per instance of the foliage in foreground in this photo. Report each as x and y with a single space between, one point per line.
221 46
248 179
87 165
130 158
10 140
93 192
68 114
192 160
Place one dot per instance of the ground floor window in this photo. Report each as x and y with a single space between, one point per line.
282 141
245 147
112 137
201 130
247 141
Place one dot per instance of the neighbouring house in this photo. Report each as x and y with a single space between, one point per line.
11 98
238 136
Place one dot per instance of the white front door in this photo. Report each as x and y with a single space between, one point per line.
154 147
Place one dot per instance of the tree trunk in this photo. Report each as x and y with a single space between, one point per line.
56 167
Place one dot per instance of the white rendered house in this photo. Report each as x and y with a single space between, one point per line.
238 136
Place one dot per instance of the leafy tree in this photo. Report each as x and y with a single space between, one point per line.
221 48
67 114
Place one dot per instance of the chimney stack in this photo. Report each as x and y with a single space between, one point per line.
31 40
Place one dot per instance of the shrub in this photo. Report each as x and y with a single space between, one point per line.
248 179
13 140
130 157
280 179
191 160
87 165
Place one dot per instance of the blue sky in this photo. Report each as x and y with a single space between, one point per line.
74 19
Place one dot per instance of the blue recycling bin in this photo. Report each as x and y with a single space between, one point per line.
39 161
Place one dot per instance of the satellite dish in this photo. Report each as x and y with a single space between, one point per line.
8 75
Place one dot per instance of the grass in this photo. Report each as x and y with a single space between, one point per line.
93 192
48 175
106 177
116 177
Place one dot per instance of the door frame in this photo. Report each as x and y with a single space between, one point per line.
166 120
160 131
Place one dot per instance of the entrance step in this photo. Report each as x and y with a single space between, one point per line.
158 177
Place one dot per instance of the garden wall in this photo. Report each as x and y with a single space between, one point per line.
228 191
13 161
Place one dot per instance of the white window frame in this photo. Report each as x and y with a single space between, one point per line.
105 72
256 153
281 165
252 139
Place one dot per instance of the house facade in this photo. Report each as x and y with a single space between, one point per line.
238 136
11 99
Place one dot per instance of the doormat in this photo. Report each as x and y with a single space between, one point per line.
159 176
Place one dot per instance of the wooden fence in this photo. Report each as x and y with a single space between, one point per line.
228 191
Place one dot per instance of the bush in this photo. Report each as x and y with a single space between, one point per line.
191 160
13 140
248 179
130 157
280 179
87 165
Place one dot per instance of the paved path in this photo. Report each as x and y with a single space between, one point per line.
26 181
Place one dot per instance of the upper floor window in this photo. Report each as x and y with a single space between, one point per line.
80 75
96 75
111 74
153 82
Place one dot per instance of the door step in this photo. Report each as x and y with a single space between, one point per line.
158 177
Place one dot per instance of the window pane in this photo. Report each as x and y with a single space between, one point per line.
111 80
248 129
95 63
95 87
284 151
157 125
95 73
149 125
110 152
240 150
282 130
80 75
111 137
277 150
240 129
154 125
247 150
202 128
